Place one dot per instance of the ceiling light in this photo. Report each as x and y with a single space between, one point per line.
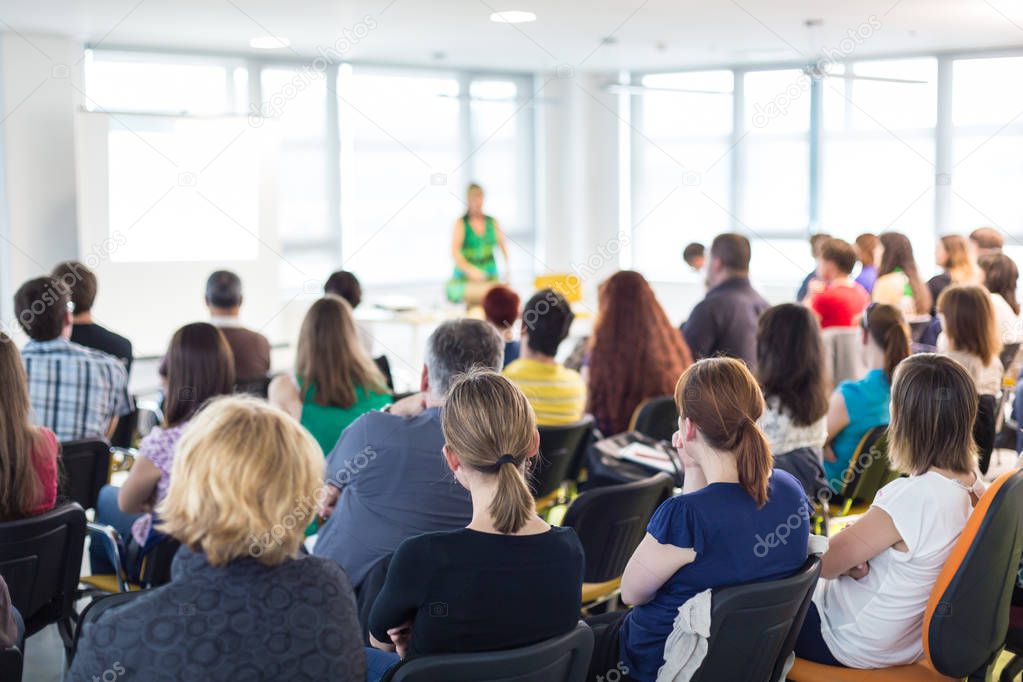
269 43
512 16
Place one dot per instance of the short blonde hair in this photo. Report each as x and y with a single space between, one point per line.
247 480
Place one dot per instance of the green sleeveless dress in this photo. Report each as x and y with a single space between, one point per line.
479 251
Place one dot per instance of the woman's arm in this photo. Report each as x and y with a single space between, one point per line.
850 550
283 394
651 565
391 618
838 419
138 488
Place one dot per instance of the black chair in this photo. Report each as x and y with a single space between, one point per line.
610 522
384 365
754 626
561 659
868 471
10 664
41 561
561 448
367 591
96 608
85 468
257 386
656 417
154 563
984 427
1008 355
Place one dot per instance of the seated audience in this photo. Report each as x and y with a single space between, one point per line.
834 296
506 580
985 241
200 367
694 256
792 376
81 284
28 454
957 266
386 478
335 380
241 603
878 573
76 392
501 308
712 535
816 242
866 246
557 394
634 352
725 321
346 285
1000 278
970 335
898 282
858 406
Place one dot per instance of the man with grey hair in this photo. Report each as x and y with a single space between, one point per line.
386 477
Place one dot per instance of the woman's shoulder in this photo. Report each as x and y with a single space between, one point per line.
45 443
161 440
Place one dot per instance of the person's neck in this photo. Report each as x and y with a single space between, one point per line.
225 312
966 478
875 357
729 276
483 489
83 318
528 353
431 400
842 281
719 466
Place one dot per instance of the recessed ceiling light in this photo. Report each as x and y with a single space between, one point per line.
512 16
269 43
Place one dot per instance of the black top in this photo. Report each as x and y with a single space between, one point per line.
725 322
937 284
242 621
470 591
102 339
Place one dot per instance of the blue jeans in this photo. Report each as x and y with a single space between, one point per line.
107 512
378 663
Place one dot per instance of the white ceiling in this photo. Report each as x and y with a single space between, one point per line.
647 34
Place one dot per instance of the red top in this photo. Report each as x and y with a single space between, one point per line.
840 306
44 460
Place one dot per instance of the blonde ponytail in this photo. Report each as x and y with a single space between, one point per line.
513 504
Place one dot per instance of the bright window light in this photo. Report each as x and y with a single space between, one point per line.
269 43
512 16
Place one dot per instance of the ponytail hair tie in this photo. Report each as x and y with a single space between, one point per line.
504 459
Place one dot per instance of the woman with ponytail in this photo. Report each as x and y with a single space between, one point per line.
858 406
473 589
737 520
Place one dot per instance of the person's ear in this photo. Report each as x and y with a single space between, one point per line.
451 458
424 381
534 448
690 430
69 319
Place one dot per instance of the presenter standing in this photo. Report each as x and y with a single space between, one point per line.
474 238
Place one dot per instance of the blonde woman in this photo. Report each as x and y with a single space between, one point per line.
474 589
335 380
970 335
241 604
952 255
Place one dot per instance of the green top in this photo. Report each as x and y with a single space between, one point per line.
326 423
479 249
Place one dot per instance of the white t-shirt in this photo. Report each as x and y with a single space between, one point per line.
1009 324
877 622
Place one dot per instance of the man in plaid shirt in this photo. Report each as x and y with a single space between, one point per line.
75 391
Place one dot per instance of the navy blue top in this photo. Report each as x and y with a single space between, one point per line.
734 542
512 350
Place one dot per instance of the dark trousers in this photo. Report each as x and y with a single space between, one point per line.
606 664
811 645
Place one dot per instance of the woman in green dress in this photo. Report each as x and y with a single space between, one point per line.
475 237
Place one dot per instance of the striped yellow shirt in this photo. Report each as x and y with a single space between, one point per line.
557 394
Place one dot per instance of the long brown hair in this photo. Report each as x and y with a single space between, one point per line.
486 417
958 263
722 399
970 321
200 366
887 327
19 486
790 362
898 253
1000 277
865 245
330 356
635 352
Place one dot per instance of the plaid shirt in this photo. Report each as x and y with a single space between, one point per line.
75 391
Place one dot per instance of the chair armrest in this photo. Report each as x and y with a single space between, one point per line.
112 541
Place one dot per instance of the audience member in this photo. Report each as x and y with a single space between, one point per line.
335 380
694 256
81 284
816 242
866 247
28 454
346 285
835 297
76 392
634 352
241 492
858 406
898 281
957 266
725 321
792 375
506 580
1000 278
557 394
386 476
878 573
501 308
711 535
200 367
985 241
970 335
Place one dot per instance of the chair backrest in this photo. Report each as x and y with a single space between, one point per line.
869 469
968 612
257 386
655 417
10 664
560 449
843 353
367 591
754 626
984 430
610 522
384 365
1008 355
85 468
156 564
41 561
560 659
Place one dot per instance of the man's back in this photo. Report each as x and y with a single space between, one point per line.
100 338
725 322
557 394
75 391
251 352
395 484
